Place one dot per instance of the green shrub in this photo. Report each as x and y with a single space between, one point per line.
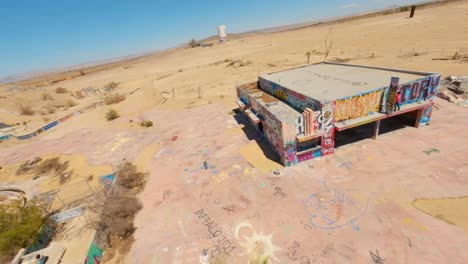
19 228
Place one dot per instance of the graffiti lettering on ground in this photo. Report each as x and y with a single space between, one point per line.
222 244
335 208
376 258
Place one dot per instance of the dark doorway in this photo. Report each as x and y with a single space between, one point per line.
260 127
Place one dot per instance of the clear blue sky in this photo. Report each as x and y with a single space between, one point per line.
44 34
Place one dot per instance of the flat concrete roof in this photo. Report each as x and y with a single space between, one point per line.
332 81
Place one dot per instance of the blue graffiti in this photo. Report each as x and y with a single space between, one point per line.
333 209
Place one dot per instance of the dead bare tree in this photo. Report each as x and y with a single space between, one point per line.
328 43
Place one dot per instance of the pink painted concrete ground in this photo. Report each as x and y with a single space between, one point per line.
338 209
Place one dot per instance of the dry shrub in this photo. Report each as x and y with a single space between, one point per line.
193 43
26 109
129 178
52 165
71 103
111 86
146 123
114 99
111 115
79 95
46 96
117 214
61 90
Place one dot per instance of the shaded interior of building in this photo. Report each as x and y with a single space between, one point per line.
366 131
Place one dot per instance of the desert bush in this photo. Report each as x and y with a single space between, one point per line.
71 103
114 99
111 86
61 90
111 115
46 96
116 216
128 178
146 123
193 43
19 227
26 109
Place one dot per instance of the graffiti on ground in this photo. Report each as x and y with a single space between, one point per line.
332 209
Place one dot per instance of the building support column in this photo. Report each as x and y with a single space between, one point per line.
376 130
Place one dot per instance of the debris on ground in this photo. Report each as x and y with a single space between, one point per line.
454 89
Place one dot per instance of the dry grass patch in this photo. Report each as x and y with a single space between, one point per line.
111 86
61 90
114 99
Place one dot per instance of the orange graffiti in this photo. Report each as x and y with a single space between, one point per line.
357 106
339 211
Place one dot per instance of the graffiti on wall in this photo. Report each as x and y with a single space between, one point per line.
419 90
328 143
392 90
357 106
326 119
290 157
296 99
424 116
299 124
272 130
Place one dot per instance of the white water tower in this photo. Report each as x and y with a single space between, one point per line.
222 33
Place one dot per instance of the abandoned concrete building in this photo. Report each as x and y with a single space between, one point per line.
302 111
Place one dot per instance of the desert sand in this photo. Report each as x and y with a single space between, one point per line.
376 190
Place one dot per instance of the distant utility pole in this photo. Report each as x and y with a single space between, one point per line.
413 9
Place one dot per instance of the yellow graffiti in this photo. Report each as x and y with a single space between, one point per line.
357 106
281 95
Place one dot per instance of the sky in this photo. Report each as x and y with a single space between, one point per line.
49 34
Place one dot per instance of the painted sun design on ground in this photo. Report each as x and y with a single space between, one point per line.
260 247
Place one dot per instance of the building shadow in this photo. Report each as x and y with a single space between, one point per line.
366 131
253 134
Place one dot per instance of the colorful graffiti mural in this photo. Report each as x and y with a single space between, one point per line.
424 116
419 90
294 98
357 106
392 91
326 118
290 157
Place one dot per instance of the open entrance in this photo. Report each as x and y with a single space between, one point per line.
260 127
366 131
